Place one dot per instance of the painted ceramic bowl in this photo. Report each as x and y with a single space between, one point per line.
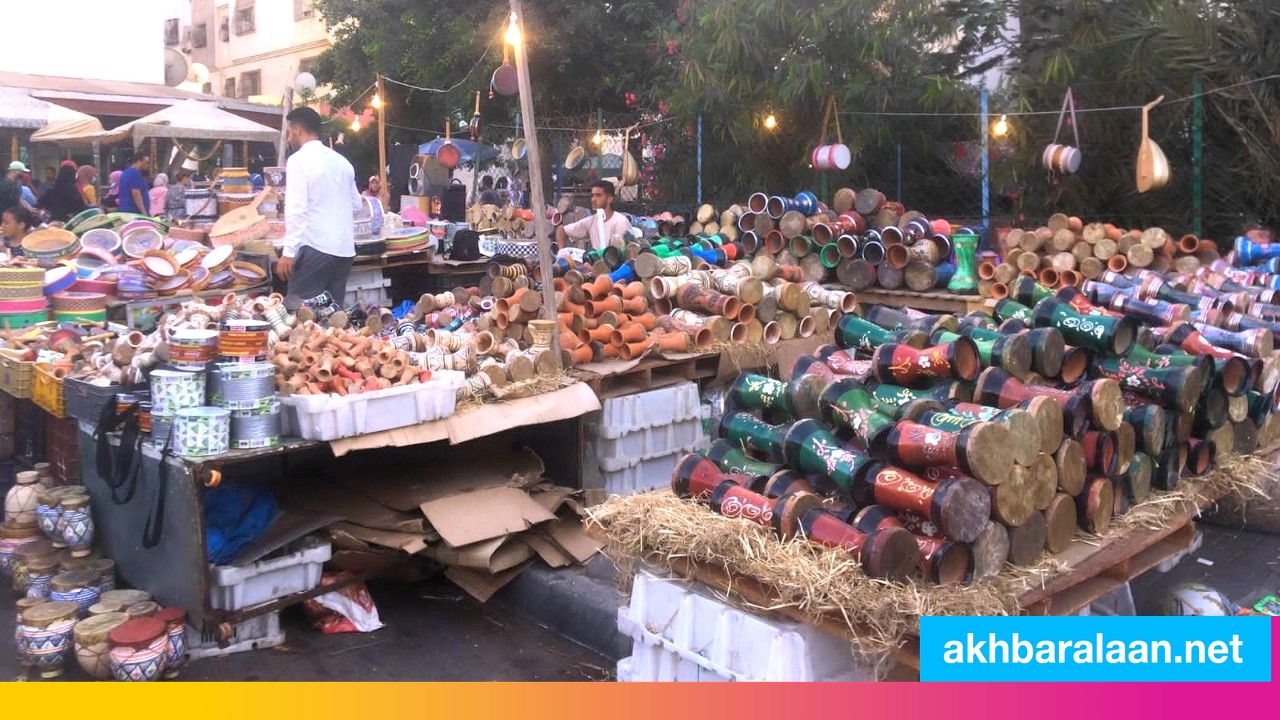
103 239
141 240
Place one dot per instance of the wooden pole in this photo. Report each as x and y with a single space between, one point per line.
244 148
282 145
383 193
541 230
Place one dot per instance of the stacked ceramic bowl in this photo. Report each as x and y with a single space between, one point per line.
22 298
247 390
408 239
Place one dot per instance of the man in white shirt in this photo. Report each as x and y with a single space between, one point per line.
615 224
320 203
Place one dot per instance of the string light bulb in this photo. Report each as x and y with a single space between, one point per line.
355 125
1000 128
376 102
770 122
597 139
512 35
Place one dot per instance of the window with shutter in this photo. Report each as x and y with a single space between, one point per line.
244 18
200 35
171 31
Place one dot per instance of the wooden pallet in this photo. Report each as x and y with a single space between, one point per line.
931 301
650 374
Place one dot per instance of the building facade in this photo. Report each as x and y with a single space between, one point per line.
253 49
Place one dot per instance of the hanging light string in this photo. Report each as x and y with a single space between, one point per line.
1028 113
456 85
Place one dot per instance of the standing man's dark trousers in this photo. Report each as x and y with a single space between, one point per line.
315 272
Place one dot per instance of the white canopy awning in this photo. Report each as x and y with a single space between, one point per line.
19 110
194 120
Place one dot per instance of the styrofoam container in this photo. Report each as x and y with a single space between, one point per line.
643 476
618 453
234 587
256 633
656 408
330 417
368 287
687 620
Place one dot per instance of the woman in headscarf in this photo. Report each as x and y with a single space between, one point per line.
159 193
63 199
86 179
175 202
112 199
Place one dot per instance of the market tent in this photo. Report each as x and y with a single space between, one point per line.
19 110
468 149
193 119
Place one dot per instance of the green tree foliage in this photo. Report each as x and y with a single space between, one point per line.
738 59
1127 52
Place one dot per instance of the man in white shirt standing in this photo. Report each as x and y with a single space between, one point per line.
615 224
320 203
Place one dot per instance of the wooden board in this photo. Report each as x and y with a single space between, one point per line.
932 301
650 374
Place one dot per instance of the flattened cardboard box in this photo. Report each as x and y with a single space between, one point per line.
408 490
481 585
492 556
470 517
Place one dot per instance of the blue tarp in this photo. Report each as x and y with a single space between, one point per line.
234 516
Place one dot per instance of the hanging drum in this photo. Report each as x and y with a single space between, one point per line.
1060 158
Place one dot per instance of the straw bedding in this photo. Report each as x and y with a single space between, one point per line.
824 583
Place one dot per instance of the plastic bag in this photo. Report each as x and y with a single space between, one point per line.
347 610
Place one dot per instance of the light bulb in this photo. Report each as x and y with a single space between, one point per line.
355 125
770 122
1000 128
512 35
598 139
376 102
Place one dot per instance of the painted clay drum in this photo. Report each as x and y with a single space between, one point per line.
13 537
78 586
139 650
46 633
175 622
92 646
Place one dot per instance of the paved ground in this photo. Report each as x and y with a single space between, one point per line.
433 632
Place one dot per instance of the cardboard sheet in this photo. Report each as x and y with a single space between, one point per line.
568 402
479 584
350 503
547 550
405 489
470 517
606 368
410 543
491 556
573 539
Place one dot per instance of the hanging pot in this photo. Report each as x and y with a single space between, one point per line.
448 154
506 81
518 149
575 157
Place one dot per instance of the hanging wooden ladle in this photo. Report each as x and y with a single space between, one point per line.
1153 167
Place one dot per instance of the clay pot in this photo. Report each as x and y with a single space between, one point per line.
47 636
175 621
92 647
629 333
139 649
631 351
673 342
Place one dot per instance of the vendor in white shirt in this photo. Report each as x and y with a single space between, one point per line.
320 202
615 224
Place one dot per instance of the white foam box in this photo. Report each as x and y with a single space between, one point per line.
234 587
332 416
256 633
674 624
634 441
368 287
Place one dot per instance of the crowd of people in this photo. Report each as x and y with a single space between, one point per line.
69 189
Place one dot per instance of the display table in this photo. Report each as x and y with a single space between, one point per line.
417 272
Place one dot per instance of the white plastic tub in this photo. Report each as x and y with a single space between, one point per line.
234 587
331 417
